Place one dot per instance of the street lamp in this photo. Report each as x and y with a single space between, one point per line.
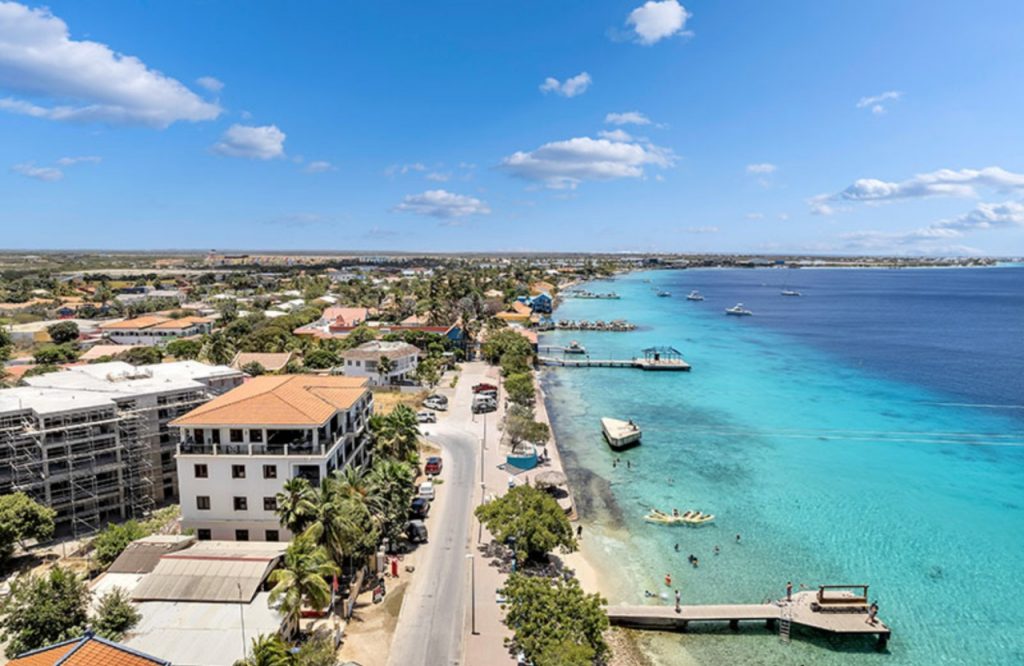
472 585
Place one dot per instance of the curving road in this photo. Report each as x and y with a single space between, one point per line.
431 624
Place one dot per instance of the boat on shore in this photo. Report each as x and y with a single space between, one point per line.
695 296
620 434
688 518
738 311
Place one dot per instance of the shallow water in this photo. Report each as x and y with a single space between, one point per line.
870 431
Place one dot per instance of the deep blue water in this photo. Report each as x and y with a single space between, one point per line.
871 431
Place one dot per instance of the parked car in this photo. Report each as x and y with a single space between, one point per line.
426 417
437 397
426 490
435 405
416 530
433 466
480 388
419 508
484 406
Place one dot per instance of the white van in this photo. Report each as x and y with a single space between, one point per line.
427 490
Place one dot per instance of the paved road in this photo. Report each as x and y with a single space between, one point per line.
431 623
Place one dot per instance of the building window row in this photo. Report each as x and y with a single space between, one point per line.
202 471
240 503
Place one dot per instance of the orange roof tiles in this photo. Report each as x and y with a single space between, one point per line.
183 322
86 651
137 323
295 400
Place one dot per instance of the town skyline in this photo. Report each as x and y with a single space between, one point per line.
606 128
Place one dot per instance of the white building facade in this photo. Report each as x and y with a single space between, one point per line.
236 453
365 361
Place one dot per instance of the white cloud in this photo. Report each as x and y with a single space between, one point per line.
562 164
627 118
210 83
754 216
987 216
763 169
404 168
319 166
442 204
875 102
84 81
576 85
29 170
83 159
616 135
438 177
654 20
263 142
820 205
701 230
944 182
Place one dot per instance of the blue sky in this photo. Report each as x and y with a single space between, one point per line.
870 127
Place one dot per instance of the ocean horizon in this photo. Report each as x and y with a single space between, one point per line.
870 431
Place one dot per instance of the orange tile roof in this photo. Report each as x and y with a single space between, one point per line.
350 316
183 322
296 400
521 308
137 323
86 651
271 361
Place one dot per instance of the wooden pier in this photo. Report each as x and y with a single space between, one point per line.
654 358
843 614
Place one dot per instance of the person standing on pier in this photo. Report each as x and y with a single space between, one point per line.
873 613
679 608
789 591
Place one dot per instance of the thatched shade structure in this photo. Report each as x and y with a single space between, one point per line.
550 479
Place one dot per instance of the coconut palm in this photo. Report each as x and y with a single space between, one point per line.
302 580
391 490
397 435
384 367
296 503
267 650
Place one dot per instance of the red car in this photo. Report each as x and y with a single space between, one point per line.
482 388
433 466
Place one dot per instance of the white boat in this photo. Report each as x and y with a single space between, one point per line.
575 348
664 294
620 434
694 296
738 310
791 292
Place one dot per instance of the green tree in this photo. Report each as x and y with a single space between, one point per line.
532 518
6 345
65 331
397 434
55 354
113 539
359 335
254 369
115 615
302 579
390 491
554 622
505 341
21 519
321 359
218 349
42 610
520 389
296 504
317 651
142 356
384 368
268 650
520 426
514 363
184 350
428 372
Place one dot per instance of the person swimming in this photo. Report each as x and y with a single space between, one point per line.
677 547
717 550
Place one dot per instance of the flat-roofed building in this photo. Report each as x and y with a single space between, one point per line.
365 361
93 442
237 451
154 329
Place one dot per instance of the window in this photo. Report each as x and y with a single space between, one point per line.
241 504
203 535
202 472
203 502
238 471
270 471
241 535
236 435
272 535
270 504
255 435
215 436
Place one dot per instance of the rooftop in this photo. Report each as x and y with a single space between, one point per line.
377 348
290 400
134 324
271 362
89 650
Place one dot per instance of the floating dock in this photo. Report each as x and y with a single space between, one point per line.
844 614
654 358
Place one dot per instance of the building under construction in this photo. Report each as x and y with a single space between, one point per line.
92 442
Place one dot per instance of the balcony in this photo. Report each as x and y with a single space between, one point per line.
296 448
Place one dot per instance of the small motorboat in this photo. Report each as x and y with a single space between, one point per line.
689 518
575 348
791 292
695 296
738 311
664 294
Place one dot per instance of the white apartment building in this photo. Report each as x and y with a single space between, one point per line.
364 361
236 452
93 443
154 330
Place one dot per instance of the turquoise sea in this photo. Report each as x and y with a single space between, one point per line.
868 432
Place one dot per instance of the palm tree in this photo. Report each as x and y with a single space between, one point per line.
267 650
218 349
384 367
391 488
330 524
296 504
302 580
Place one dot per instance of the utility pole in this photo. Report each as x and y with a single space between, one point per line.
241 616
472 587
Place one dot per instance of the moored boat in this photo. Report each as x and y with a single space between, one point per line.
791 292
620 434
664 294
575 348
695 296
738 311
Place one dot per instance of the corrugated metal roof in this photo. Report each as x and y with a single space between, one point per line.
209 574
143 555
